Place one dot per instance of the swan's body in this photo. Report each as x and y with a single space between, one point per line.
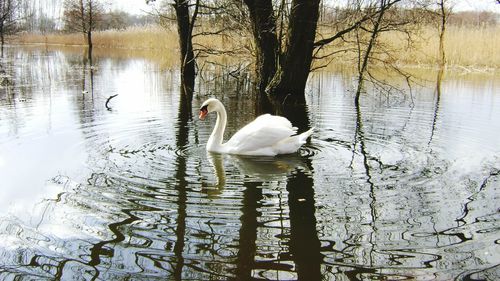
267 135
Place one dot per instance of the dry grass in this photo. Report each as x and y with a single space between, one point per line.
467 47
464 46
473 47
148 37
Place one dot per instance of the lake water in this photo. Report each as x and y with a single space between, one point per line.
406 186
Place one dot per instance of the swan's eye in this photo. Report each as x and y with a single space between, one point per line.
203 112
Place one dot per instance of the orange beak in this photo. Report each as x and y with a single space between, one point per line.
203 113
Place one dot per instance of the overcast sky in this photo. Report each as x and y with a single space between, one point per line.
478 5
130 6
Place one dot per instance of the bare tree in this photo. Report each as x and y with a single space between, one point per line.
376 26
185 20
295 60
38 16
185 25
359 27
286 40
83 16
8 18
265 39
284 69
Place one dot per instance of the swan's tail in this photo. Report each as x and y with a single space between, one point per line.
303 137
293 143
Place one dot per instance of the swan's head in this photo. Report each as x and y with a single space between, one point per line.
209 106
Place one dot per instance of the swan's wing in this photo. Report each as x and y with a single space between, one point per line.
265 131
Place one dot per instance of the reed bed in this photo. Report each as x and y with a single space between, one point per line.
146 37
466 46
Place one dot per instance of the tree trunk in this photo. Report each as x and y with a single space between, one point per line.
91 25
266 41
2 33
184 29
289 81
89 44
442 32
89 39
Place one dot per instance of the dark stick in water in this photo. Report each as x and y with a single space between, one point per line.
107 101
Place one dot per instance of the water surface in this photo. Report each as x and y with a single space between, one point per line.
402 187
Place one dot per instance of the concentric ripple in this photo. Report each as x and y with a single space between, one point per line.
390 190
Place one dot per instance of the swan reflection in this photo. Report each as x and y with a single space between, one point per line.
255 167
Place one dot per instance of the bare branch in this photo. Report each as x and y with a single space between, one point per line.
107 101
343 32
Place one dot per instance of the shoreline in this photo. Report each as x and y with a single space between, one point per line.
476 54
163 55
469 49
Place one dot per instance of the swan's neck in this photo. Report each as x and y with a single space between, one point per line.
215 141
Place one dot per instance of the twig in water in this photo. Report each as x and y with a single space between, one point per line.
107 101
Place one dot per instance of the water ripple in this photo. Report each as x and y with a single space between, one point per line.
385 191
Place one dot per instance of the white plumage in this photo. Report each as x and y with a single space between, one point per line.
267 135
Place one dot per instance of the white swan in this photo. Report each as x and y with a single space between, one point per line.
267 135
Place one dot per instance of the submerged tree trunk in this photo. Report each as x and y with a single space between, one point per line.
282 75
266 41
289 82
185 29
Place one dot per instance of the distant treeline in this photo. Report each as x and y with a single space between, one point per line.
469 18
122 20
117 20
113 20
461 18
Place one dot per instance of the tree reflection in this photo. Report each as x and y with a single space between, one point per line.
439 81
359 137
183 118
87 67
6 84
305 246
247 248
86 95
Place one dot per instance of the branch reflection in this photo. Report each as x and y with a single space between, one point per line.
359 137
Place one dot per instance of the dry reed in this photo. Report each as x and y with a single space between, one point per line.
469 47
